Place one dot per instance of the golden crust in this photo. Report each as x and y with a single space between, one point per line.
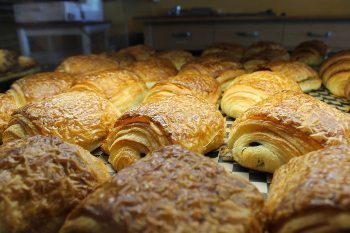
179 119
8 105
153 70
342 55
260 47
170 190
81 64
82 118
122 87
122 59
248 89
317 45
235 49
140 52
177 57
41 180
314 184
227 77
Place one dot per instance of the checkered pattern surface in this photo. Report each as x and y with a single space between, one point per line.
260 179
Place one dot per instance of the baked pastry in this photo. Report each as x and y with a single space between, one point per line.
122 59
258 61
153 70
82 64
284 126
227 77
310 52
249 89
261 47
311 193
177 57
235 49
8 104
81 118
8 60
122 87
200 85
179 119
335 72
140 52
304 75
41 180
170 190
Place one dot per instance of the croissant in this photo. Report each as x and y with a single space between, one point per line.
249 89
122 59
310 52
122 87
81 118
200 85
177 57
261 47
170 190
8 104
81 64
140 52
236 50
311 193
304 75
227 77
42 180
179 119
153 70
284 126
259 60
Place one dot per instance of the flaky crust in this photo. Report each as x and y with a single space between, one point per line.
122 59
153 70
342 55
41 180
248 89
235 49
122 87
314 184
82 118
8 105
318 45
261 46
177 57
227 77
179 119
81 64
171 190
140 52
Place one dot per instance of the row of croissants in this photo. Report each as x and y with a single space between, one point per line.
138 102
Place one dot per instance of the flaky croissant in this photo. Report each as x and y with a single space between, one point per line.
311 193
41 180
122 59
235 49
178 119
227 77
310 52
82 118
177 57
284 126
248 89
122 87
140 52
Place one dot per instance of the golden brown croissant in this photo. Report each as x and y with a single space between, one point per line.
249 89
82 118
8 104
304 75
81 64
122 59
177 57
310 52
259 60
41 180
140 52
260 47
310 194
235 49
200 85
227 77
122 87
153 70
284 126
178 119
171 190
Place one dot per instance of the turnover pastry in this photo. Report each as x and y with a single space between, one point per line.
249 89
153 70
82 64
200 85
310 52
41 180
178 119
177 57
122 87
304 75
171 190
81 118
311 193
140 52
284 126
236 50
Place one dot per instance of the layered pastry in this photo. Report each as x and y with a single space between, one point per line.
227 77
42 180
261 47
311 193
200 85
170 190
304 75
122 87
235 49
284 126
81 64
8 104
179 119
153 70
249 89
310 52
177 57
335 72
122 59
140 52
11 62
82 118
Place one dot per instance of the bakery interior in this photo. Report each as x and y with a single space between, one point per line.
174 116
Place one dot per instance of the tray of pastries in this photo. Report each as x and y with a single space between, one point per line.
235 140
